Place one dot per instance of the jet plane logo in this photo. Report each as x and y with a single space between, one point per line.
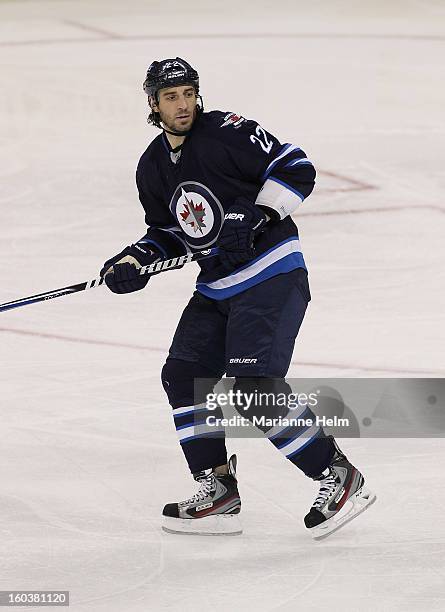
199 214
232 119
193 214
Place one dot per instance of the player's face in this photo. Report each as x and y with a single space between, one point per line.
177 107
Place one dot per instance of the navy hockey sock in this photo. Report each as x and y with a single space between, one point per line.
203 445
305 445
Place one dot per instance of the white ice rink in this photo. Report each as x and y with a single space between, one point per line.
88 452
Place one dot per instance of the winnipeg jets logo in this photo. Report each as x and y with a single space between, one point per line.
193 214
232 119
199 214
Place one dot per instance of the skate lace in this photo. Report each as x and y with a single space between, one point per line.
206 487
327 488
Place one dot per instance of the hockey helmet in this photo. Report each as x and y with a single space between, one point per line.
169 73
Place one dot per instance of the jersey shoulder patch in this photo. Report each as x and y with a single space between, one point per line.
234 131
224 119
232 120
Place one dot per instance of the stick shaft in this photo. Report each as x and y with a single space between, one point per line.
156 268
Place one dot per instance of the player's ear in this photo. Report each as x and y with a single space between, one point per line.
153 104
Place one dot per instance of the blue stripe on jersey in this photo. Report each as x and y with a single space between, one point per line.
285 150
283 184
217 433
194 423
258 270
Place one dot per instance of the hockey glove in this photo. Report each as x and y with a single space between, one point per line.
121 272
242 223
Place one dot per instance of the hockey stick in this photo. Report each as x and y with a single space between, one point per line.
154 268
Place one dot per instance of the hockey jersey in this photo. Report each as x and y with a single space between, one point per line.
186 192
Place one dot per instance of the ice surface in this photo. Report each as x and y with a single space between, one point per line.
88 453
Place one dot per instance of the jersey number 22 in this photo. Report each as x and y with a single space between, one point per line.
263 141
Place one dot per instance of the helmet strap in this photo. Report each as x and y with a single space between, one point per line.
176 133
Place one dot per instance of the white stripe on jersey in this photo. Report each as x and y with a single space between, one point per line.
302 160
292 246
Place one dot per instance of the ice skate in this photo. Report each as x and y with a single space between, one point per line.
341 498
213 510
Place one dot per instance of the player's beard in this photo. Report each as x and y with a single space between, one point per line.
175 125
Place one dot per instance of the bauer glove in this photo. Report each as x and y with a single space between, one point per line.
121 272
242 223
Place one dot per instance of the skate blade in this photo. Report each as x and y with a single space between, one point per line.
216 524
356 504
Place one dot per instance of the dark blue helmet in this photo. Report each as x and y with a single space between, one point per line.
170 73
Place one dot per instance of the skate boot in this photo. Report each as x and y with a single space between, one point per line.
213 510
341 498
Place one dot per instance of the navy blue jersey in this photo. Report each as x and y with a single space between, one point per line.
185 194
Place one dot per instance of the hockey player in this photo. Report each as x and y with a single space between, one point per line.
217 179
